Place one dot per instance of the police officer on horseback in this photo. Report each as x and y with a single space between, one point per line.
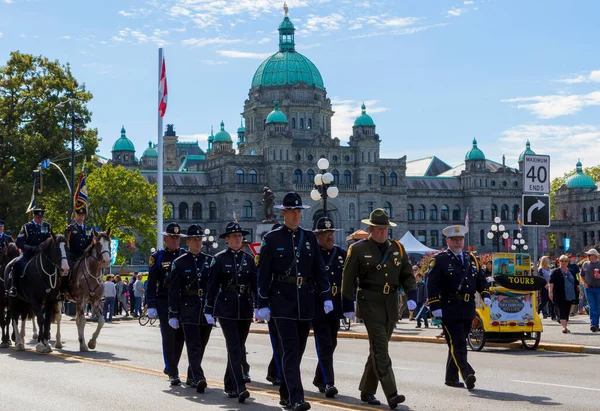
5 239
78 238
29 239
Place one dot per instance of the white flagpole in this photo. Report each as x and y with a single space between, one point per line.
159 173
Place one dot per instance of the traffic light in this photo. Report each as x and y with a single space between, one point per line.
37 179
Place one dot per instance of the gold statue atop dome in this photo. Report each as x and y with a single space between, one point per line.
285 8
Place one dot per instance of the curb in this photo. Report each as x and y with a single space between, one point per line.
580 349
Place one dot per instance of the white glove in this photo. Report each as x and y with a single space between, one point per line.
209 319
174 323
437 313
152 313
263 314
411 305
487 302
328 306
350 315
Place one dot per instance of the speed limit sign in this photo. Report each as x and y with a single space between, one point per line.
536 174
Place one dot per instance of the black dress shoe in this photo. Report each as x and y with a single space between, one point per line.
395 399
320 387
369 399
301 406
191 384
330 391
165 371
455 384
273 380
470 381
285 403
244 395
201 386
174 380
593 329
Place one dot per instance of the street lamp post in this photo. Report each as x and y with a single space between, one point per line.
519 243
324 187
209 241
497 231
73 119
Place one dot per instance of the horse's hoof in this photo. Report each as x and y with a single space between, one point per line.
20 347
34 337
48 349
5 344
41 348
58 345
92 344
83 348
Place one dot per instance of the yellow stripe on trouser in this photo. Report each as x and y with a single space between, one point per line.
452 350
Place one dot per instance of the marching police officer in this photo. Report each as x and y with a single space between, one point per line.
326 326
380 266
231 285
29 239
157 299
453 279
187 288
5 239
78 238
290 269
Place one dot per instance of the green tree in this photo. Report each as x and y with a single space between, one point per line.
32 128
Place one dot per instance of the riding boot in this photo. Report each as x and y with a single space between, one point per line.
10 284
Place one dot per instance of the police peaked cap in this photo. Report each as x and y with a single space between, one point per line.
455 231
38 211
325 224
194 231
173 229
234 227
291 201
81 211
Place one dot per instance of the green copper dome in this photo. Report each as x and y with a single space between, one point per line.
150 151
474 153
241 129
580 179
528 150
123 143
211 138
222 136
276 116
364 119
287 67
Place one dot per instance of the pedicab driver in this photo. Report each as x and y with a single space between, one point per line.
454 277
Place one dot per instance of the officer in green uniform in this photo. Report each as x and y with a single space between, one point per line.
380 266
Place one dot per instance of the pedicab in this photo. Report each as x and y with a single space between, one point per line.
513 314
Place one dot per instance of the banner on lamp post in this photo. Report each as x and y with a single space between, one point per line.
114 247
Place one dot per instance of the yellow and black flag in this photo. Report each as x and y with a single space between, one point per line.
80 199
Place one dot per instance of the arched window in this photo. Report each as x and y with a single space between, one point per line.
382 178
336 176
298 157
433 212
310 176
445 213
170 214
592 215
183 211
309 123
515 212
293 122
494 211
584 215
421 216
252 177
301 124
387 206
504 212
239 176
212 210
410 212
297 176
456 213
247 209
393 178
482 237
351 212
347 177
197 211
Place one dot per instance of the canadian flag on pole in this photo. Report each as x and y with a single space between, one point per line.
162 89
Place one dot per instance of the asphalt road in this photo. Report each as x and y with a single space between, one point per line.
125 373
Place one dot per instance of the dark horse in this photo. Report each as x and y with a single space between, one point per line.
38 289
8 254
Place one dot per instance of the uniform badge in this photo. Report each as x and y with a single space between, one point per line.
396 262
432 263
396 253
256 258
328 224
151 261
213 262
176 230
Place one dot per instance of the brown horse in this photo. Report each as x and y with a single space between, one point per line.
87 285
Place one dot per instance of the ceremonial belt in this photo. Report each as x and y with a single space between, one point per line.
193 293
239 288
385 289
466 297
291 279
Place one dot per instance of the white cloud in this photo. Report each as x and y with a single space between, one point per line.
125 13
135 13
455 12
400 21
137 37
1 34
200 42
332 22
546 107
65 38
200 137
592 77
468 2
213 62
7 1
346 111
242 54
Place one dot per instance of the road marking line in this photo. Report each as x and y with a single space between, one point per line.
557 385
356 363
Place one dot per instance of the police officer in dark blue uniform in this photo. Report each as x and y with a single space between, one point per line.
29 239
274 370
187 292
157 299
326 326
5 239
231 287
78 238
291 275
454 278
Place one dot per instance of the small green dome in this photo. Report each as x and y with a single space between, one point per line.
286 24
150 151
364 119
241 129
528 150
580 179
475 153
276 116
123 143
223 136
211 138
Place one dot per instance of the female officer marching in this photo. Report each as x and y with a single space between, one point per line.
231 282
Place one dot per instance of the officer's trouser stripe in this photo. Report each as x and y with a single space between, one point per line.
452 350
320 363
273 342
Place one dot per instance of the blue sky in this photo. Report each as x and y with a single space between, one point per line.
434 74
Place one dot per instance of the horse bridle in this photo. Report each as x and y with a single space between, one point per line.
101 253
55 265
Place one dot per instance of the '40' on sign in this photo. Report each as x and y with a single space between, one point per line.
536 174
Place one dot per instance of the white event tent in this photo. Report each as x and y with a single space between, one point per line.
414 246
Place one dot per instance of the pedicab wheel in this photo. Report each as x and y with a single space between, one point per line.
532 344
143 320
476 338
152 321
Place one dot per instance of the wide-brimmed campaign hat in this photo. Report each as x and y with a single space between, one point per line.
173 229
291 201
379 218
233 227
325 224
194 231
455 231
